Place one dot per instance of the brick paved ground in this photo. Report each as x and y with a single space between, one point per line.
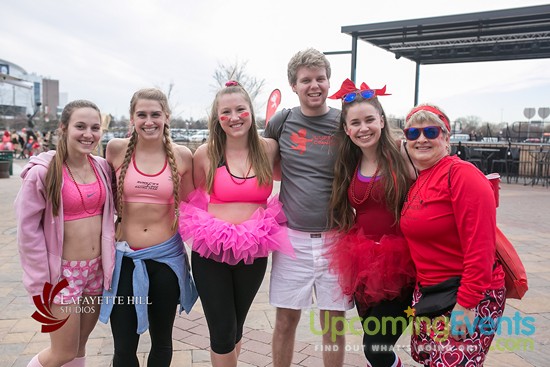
523 215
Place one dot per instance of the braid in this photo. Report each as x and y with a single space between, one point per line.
175 174
120 184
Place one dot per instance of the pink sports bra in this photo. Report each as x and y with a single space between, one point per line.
228 188
81 200
141 187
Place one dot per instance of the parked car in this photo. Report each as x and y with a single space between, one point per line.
460 137
107 136
179 135
200 136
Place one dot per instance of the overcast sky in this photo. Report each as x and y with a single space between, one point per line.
104 50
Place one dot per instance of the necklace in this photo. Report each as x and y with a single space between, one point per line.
416 193
233 177
370 184
78 188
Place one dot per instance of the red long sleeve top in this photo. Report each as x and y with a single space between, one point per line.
449 221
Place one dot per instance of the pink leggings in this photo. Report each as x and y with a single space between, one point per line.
85 277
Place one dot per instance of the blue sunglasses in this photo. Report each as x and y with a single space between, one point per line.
430 132
366 94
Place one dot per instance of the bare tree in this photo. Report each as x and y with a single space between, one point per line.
467 124
169 91
237 71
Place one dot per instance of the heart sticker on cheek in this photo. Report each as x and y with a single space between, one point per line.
244 114
224 118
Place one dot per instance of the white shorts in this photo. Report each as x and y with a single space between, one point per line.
294 281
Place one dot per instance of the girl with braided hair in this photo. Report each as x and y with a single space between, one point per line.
152 269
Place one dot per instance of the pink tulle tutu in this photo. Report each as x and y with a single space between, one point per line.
230 243
371 271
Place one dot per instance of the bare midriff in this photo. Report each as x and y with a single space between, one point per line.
145 225
82 238
234 213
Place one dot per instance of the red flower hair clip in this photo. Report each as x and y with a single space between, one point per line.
232 83
348 92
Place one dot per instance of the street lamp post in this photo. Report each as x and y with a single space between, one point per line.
30 123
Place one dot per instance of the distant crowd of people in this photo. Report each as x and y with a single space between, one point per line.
27 143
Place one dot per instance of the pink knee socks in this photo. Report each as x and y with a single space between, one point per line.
77 362
34 362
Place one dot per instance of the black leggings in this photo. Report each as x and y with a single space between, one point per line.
226 293
378 348
164 293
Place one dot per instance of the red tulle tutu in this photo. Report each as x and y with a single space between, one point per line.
371 271
230 243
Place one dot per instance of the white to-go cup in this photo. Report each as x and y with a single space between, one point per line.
494 179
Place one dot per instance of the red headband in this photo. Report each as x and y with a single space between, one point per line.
349 87
433 110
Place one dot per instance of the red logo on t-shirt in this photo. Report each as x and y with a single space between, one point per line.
300 140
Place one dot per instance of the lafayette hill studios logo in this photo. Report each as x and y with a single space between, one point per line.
44 303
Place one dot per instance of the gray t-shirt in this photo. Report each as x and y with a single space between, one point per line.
307 165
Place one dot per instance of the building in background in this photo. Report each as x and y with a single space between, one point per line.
50 99
23 95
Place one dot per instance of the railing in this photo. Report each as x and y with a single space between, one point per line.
532 162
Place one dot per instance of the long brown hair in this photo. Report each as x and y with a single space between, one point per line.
54 175
217 139
392 168
154 95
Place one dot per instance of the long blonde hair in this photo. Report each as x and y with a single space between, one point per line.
54 175
154 95
217 139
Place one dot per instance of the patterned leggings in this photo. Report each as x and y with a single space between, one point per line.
432 344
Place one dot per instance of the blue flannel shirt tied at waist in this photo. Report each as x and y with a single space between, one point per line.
171 253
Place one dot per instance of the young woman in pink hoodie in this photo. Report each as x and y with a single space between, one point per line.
65 214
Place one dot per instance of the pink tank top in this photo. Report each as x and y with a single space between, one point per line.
231 189
141 187
81 200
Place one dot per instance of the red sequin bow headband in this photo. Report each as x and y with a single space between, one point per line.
348 92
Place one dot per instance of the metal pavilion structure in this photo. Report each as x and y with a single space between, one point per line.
508 34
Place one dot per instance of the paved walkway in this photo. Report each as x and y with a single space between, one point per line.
524 215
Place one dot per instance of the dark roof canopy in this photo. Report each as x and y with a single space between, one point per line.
509 34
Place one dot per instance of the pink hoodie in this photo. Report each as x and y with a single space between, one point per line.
40 233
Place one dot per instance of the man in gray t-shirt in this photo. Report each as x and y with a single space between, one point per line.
307 163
